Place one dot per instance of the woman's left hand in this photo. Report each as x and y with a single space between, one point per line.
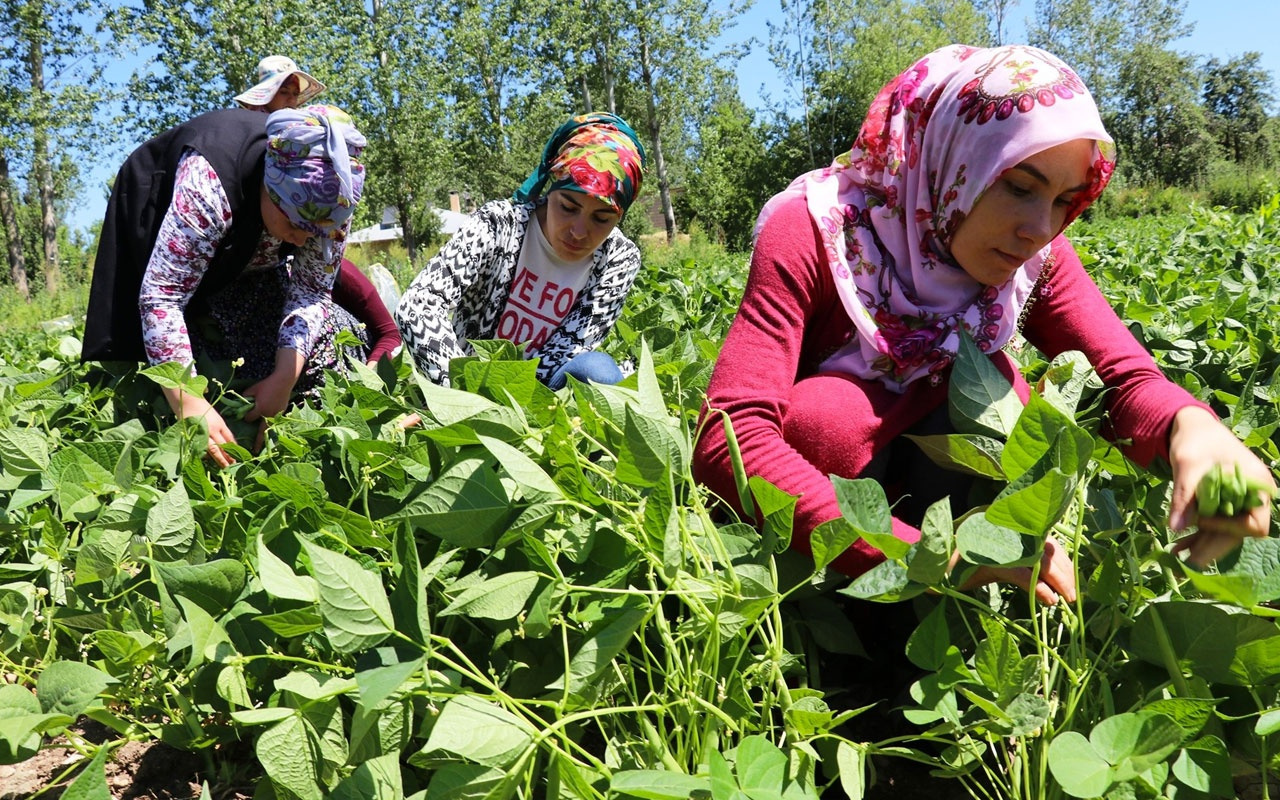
1197 442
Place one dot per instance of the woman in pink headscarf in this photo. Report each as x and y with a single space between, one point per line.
946 215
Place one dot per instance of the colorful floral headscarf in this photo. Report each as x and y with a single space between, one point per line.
597 154
313 171
935 138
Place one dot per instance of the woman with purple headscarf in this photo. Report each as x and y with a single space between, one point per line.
222 240
548 269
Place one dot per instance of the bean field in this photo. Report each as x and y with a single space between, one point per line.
527 595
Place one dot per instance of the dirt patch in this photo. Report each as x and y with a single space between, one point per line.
135 771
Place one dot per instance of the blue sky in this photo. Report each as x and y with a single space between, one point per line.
1223 28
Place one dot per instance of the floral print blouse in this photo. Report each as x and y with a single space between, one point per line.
193 227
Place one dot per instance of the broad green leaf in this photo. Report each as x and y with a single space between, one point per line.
1027 713
829 540
1246 577
535 484
864 505
594 654
885 582
929 641
375 779
1257 663
467 506
851 760
69 687
1039 428
23 451
1039 497
968 453
652 448
503 596
213 585
1064 383
1136 742
1077 766
280 581
479 731
170 522
1190 713
176 375
1200 637
982 541
930 558
290 754
205 636
652 784
981 400
91 783
1205 765
294 622
1268 723
379 683
761 767
778 509
22 722
455 781
356 612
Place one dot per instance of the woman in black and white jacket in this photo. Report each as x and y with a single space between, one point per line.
556 286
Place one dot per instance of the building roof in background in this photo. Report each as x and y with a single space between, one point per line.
450 223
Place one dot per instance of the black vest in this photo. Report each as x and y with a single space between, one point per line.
234 142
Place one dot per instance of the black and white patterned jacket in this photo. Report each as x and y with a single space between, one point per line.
461 293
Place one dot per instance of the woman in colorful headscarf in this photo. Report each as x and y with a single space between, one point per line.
548 269
222 240
946 216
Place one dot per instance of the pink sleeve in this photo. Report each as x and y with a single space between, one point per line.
193 226
1072 314
787 289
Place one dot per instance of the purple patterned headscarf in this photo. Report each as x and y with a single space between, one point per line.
313 172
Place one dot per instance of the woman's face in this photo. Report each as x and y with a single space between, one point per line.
1021 212
576 224
286 96
279 225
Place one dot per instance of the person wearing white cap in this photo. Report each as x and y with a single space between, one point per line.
281 84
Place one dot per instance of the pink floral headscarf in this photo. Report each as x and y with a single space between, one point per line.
935 138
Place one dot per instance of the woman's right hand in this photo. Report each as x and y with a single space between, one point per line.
188 406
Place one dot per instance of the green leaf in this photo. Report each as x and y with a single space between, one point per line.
501 597
1205 766
479 731
176 375
1039 497
929 641
170 522
981 541
91 783
864 505
379 683
594 654
829 540
23 451
967 453
280 581
290 754
455 781
1077 766
202 633
930 558
851 760
1134 743
69 687
652 784
535 484
885 582
981 400
761 767
214 585
467 506
1039 429
652 448
292 623
1201 637
375 779
353 604
778 509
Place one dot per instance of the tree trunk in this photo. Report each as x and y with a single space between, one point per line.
606 73
655 137
44 171
586 92
9 218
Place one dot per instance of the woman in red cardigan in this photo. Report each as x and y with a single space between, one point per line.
947 214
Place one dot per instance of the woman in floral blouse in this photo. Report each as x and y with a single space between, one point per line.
222 238
548 269
946 216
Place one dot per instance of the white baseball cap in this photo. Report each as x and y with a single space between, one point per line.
272 73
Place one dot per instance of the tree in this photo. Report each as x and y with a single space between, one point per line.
725 190
50 98
1160 127
1237 94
